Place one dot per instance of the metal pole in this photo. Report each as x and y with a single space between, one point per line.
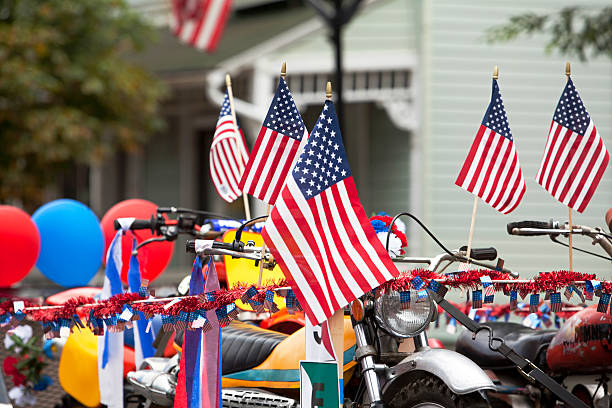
337 41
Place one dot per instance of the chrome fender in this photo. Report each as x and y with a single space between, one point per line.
459 373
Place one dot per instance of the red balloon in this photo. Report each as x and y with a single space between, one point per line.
153 258
20 243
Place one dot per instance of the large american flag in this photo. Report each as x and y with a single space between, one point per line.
228 154
200 23
575 156
491 169
318 231
278 143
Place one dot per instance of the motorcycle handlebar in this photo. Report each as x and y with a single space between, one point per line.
481 254
529 224
149 224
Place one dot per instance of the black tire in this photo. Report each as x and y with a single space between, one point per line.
430 389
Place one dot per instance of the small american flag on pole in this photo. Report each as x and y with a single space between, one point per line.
228 153
491 169
575 156
200 23
278 144
318 231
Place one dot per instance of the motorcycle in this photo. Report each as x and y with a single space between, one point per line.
78 353
386 361
577 355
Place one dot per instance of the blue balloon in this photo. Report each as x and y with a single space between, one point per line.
71 242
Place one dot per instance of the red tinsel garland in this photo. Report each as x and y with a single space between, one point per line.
546 281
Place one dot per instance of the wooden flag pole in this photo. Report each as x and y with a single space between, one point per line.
568 72
336 321
269 207
230 95
468 253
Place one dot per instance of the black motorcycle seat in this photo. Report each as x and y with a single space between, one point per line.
526 341
244 346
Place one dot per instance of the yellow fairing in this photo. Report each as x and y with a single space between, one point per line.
281 368
78 367
244 271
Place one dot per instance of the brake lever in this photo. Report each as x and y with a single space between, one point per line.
147 242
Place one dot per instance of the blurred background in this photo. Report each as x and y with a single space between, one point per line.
100 102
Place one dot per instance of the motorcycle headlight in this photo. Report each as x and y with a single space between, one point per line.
401 321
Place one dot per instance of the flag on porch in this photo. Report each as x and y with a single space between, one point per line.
200 23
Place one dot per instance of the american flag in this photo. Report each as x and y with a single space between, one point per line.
278 143
200 23
491 169
575 156
227 156
318 231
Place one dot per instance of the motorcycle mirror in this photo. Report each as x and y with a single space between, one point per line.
609 218
357 310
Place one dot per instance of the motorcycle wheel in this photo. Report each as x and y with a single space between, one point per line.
431 392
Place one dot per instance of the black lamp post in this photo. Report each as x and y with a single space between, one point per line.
336 18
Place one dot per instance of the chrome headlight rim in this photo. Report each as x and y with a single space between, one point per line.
378 315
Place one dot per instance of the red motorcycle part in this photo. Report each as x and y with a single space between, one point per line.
284 322
583 344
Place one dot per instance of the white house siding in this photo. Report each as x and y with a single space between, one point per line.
456 69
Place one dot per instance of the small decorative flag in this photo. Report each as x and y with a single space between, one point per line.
492 170
405 299
167 323
588 290
228 155
421 295
513 299
575 156
476 299
248 294
568 292
487 284
232 312
534 301
257 306
437 287
555 302
143 290
222 316
596 287
290 301
269 302
417 283
281 139
604 300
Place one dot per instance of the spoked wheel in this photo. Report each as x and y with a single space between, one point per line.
429 391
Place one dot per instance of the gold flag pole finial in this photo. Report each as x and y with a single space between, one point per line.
328 90
284 70
228 80
495 72
568 70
